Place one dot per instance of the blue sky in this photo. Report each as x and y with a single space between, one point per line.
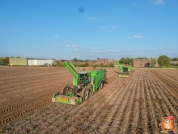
88 29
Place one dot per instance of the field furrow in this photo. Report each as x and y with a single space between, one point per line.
133 105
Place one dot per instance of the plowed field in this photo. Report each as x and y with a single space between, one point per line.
125 105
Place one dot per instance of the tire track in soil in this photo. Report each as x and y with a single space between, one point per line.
24 83
83 110
104 127
93 98
144 107
170 73
136 121
153 128
25 109
18 109
124 124
74 111
157 100
9 99
69 108
107 110
142 111
168 101
171 85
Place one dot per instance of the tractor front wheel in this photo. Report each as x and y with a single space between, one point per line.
85 94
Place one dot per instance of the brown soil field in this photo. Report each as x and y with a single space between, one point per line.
125 105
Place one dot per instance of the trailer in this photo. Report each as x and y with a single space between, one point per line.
85 84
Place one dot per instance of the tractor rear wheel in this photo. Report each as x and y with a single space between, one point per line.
66 89
85 94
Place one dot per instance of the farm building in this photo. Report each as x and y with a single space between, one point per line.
39 62
18 61
141 62
29 61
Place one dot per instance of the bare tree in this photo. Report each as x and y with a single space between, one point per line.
153 62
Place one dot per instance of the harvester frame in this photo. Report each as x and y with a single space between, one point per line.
85 83
124 71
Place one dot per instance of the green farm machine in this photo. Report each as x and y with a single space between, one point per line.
124 71
85 83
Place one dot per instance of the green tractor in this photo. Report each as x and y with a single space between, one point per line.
84 84
124 71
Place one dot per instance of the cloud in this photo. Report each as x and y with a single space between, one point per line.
152 50
138 37
40 51
113 27
110 50
129 37
75 45
96 50
90 18
67 45
56 35
76 49
159 2
103 27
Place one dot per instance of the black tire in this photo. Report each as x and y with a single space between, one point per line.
85 94
101 85
66 89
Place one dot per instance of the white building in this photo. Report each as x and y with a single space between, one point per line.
39 62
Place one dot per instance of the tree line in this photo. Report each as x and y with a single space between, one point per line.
163 60
4 61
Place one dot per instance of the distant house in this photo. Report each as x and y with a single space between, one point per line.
105 61
61 61
101 61
174 62
140 62
91 62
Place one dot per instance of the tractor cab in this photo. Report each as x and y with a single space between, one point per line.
84 78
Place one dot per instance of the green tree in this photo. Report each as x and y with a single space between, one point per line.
86 64
1 60
127 60
111 65
74 60
131 61
101 65
174 59
122 60
163 60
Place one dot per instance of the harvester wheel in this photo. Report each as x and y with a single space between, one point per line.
85 94
101 85
66 90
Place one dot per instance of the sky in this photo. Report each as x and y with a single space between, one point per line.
88 29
